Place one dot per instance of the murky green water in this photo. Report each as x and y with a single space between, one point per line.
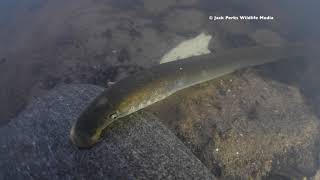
44 44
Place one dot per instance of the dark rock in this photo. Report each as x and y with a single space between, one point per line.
36 145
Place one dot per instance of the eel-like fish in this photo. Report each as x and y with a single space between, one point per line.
160 81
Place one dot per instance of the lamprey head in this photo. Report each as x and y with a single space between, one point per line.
88 128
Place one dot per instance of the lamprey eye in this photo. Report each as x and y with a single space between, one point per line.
113 116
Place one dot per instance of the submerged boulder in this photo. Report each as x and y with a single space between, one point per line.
36 144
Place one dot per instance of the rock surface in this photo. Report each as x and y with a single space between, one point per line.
245 126
35 145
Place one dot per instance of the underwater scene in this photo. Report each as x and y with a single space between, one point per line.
147 89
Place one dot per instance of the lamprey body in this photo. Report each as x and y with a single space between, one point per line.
157 83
